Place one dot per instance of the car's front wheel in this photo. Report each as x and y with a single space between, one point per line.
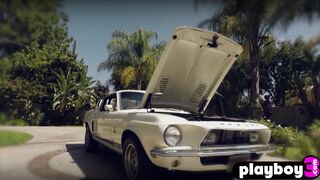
89 143
135 161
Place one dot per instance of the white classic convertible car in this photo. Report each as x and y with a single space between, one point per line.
164 126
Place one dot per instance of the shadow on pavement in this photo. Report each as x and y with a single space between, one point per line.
106 164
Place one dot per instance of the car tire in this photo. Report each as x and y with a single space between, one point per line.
136 163
89 143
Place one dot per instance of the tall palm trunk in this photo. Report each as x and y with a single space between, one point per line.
254 51
316 93
316 88
255 74
255 78
139 84
139 78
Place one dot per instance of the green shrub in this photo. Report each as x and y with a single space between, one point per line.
293 153
303 148
314 133
15 122
315 126
284 136
267 123
306 145
292 143
3 118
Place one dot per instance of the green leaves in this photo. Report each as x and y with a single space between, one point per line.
72 93
42 81
128 75
63 91
131 58
279 72
23 20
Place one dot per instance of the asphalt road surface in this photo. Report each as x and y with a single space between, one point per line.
58 153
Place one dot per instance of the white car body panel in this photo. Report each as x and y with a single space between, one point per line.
110 127
190 69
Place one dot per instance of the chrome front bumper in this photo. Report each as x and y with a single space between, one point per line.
187 151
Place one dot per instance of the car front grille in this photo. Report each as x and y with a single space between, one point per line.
228 137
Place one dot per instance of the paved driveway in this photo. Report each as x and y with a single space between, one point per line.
58 153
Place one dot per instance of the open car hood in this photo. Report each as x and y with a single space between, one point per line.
190 70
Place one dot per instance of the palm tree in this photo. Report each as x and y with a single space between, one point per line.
131 58
250 22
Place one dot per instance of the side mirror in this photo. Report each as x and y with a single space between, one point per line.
108 107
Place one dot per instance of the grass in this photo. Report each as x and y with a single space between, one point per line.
13 138
15 122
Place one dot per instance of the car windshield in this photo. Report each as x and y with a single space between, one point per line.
130 100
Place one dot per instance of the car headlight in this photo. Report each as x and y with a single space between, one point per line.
254 137
172 135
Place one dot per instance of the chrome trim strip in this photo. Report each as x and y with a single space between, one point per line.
207 132
205 135
108 144
211 152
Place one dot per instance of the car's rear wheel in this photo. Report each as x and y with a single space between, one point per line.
89 143
135 161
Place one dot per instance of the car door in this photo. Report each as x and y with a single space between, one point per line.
126 100
115 119
117 122
94 118
104 126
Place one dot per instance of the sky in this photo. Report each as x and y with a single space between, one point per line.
91 23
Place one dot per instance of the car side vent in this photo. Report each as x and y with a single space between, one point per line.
198 94
163 84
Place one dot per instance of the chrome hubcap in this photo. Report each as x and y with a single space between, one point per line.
131 161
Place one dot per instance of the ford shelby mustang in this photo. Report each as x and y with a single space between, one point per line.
165 125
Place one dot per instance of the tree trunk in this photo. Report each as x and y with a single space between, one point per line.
255 106
304 99
255 77
316 94
315 89
139 77
139 84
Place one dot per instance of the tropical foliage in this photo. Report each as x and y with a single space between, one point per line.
36 50
132 58
291 70
71 95
293 143
250 23
100 90
43 82
286 73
